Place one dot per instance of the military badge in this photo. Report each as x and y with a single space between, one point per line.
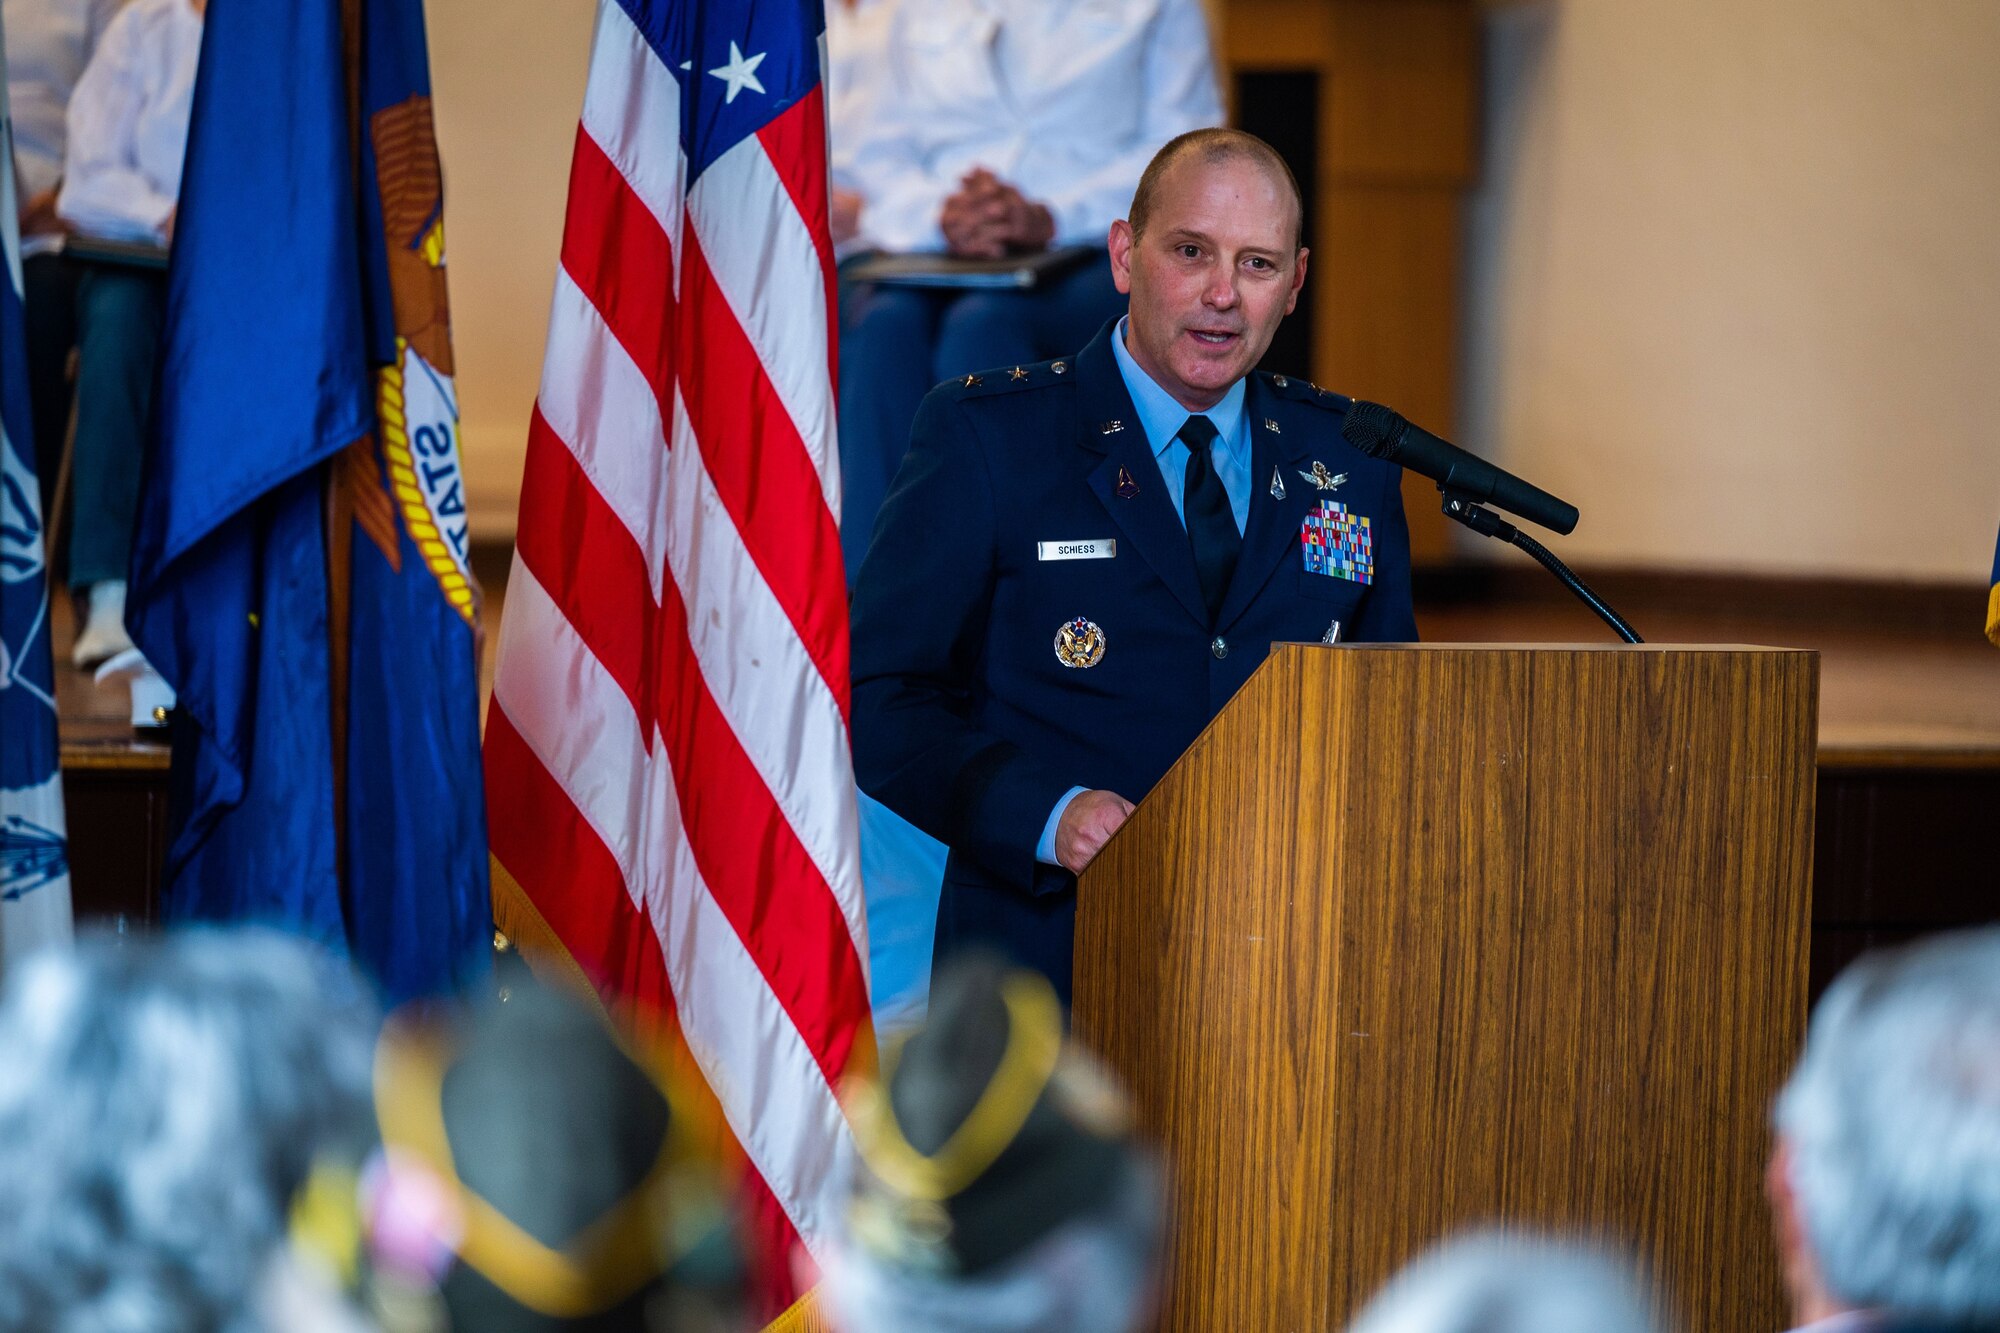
1080 643
1127 488
1277 484
1338 542
1321 479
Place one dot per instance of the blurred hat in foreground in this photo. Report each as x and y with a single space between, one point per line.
1000 1186
530 1179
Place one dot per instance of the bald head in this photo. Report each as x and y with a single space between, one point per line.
1214 147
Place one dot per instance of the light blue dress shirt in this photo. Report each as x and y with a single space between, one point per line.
1162 418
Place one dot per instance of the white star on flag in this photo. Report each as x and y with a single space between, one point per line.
739 73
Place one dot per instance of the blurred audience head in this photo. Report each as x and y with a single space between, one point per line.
1886 1179
162 1101
1497 1282
529 1180
999 1187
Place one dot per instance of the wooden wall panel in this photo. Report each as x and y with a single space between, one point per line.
1399 90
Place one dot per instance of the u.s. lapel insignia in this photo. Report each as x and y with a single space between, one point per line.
1271 424
1277 484
1080 643
1110 427
1127 488
1321 479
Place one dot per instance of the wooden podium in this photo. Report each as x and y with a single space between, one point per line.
1417 938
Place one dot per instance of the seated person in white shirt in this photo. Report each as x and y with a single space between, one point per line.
1003 127
128 123
48 44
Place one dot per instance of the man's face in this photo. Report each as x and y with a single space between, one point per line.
1212 276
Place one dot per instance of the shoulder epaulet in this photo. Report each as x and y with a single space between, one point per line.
1304 391
1012 379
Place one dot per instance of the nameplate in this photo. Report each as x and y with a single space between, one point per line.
1103 548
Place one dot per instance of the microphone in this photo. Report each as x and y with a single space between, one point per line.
1380 433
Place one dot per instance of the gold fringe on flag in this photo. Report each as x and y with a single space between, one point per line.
804 1317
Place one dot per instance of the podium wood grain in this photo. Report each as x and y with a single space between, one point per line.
1417 938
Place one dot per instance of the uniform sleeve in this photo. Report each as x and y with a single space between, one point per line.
1179 95
104 193
919 627
1387 615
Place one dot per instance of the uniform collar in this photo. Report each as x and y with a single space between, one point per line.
1162 417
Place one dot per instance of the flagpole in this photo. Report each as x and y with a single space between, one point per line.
339 478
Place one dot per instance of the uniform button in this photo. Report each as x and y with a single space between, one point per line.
1219 646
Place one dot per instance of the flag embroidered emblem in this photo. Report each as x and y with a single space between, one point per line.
1338 542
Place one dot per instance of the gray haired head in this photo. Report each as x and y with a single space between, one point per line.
161 1100
1495 1282
1892 1122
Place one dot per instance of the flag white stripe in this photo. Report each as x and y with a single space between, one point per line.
765 263
560 699
762 1073
580 726
599 403
762 677
632 108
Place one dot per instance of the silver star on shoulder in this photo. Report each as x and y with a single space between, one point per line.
739 73
973 381
1017 373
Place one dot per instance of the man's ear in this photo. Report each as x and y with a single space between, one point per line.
1120 243
1298 281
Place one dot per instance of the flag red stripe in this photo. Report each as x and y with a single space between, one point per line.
582 553
750 446
760 468
796 144
758 871
756 868
559 861
620 259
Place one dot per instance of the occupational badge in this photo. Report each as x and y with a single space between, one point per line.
1277 484
1127 488
1338 542
1080 643
1321 479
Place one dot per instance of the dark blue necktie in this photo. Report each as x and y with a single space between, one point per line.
1211 527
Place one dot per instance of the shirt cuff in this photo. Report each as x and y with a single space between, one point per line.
1045 850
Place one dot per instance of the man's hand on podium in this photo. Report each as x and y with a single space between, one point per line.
1087 823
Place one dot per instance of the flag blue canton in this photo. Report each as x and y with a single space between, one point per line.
724 50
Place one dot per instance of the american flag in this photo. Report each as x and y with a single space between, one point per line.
669 783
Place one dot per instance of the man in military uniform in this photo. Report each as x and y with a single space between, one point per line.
1082 560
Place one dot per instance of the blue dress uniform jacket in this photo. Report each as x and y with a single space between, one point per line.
966 719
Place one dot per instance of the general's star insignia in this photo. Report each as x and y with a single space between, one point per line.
739 73
972 381
1321 479
1017 374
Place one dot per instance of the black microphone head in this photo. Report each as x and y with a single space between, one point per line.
1373 429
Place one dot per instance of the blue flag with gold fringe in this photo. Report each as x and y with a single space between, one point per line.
300 568
1993 599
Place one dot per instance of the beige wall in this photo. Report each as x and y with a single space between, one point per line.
1735 279
508 82
1734 272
